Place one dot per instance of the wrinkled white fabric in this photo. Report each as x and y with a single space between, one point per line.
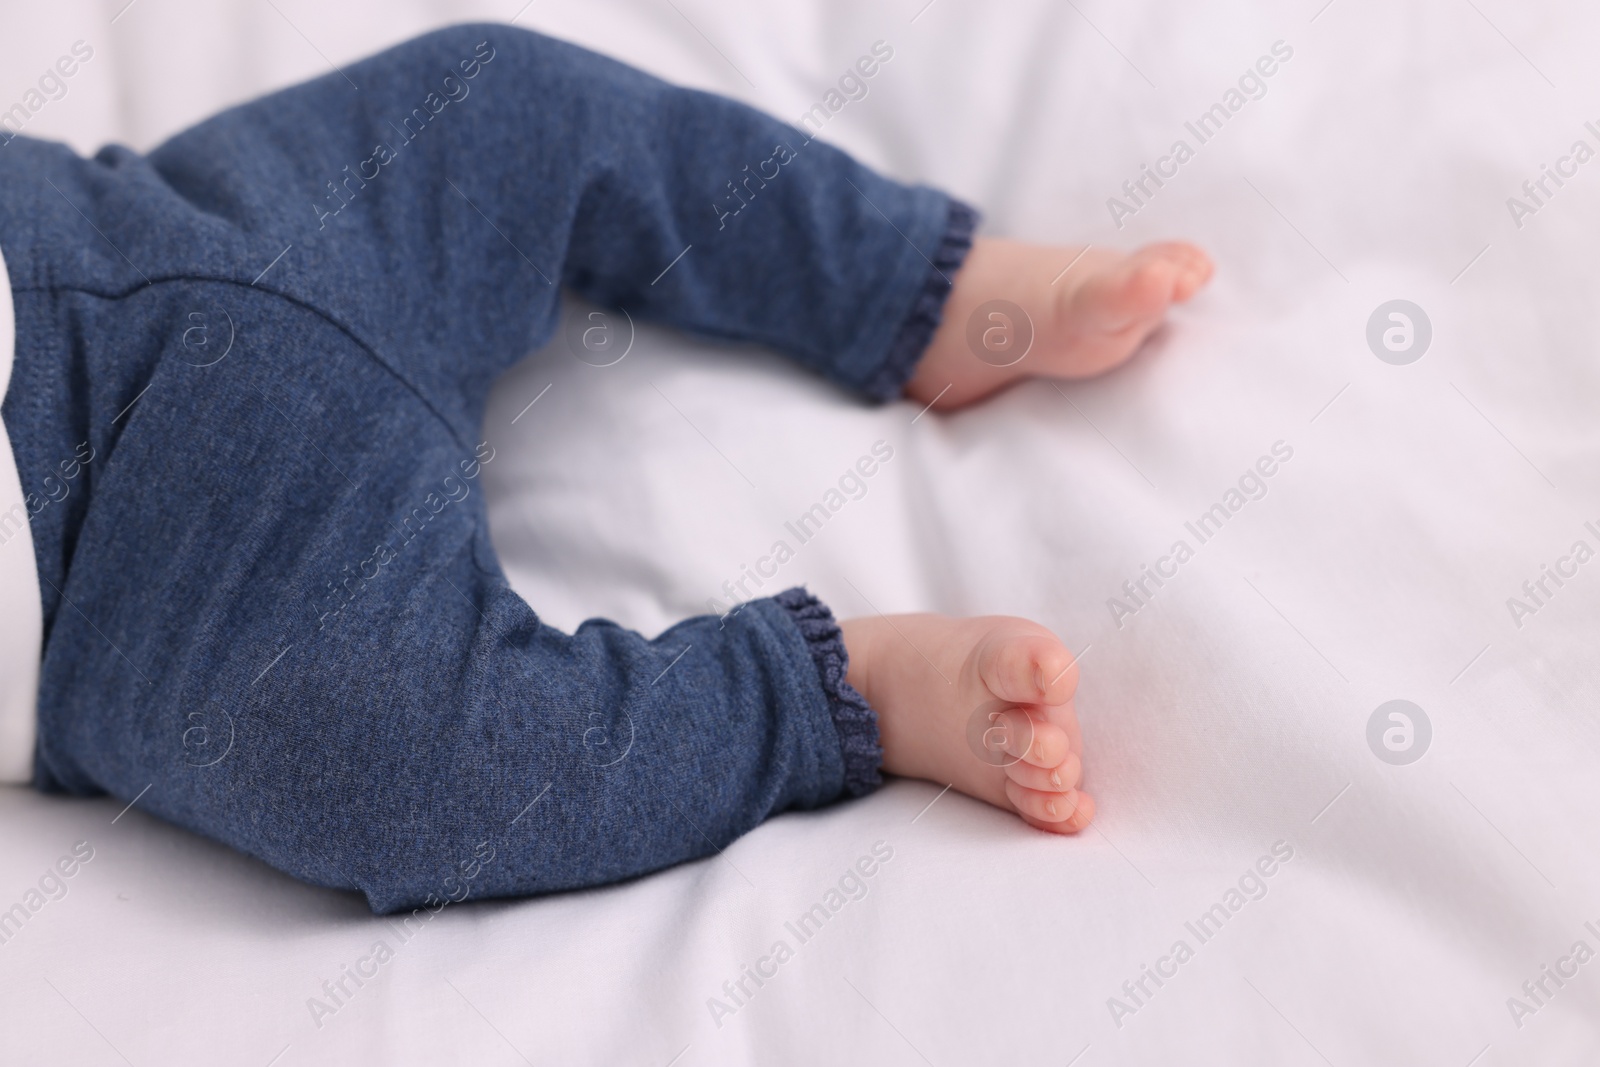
21 614
1226 716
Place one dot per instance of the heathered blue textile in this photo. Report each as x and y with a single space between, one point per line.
272 610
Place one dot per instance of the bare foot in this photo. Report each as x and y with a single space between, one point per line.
1082 322
983 704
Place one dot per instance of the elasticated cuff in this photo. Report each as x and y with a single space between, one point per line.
915 333
853 719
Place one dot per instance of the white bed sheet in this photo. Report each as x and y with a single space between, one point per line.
1226 716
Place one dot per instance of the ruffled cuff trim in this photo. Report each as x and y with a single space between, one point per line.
853 719
916 332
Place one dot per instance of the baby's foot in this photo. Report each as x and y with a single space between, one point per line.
1086 310
983 704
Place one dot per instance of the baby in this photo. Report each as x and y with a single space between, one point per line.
248 581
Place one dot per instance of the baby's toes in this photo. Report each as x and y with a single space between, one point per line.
1080 817
1048 745
1028 668
1134 295
1062 778
1190 268
1038 806
1066 717
1015 736
1196 273
1189 255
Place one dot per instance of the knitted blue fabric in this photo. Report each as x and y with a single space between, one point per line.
272 609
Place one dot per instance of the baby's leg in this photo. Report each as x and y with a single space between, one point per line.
287 631
480 169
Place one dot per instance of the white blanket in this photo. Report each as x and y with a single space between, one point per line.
1414 913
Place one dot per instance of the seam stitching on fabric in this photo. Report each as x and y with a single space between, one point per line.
371 352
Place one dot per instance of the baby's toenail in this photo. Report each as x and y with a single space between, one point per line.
1055 778
1050 806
